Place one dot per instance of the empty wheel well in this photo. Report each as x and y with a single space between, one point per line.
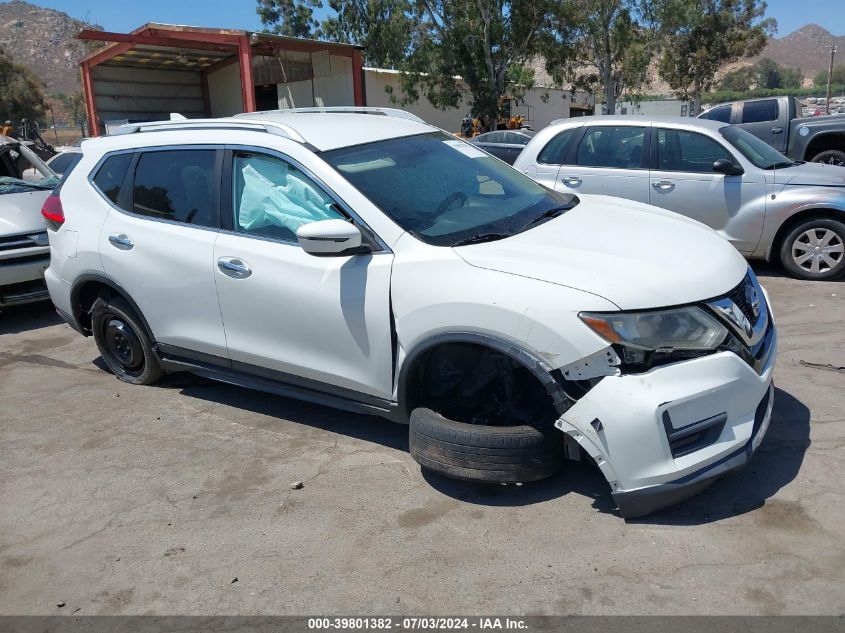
473 383
799 218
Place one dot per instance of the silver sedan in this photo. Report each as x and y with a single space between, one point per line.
768 206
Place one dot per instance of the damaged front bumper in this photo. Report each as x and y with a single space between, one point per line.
664 435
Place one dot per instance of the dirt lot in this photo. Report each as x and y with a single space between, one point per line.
176 499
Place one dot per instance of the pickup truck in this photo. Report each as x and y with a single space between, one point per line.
778 121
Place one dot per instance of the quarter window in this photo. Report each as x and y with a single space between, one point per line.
555 151
679 150
619 147
110 176
176 185
757 111
719 113
272 198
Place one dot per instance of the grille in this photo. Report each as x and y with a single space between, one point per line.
737 295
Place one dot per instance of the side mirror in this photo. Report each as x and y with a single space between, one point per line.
327 238
727 167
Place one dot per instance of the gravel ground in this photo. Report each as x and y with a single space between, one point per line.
177 499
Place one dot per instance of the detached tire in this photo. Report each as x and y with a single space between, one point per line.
830 157
123 341
491 454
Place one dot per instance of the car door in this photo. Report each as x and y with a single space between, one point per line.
157 241
494 143
683 181
761 118
289 315
609 160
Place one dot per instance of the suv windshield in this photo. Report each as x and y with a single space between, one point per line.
444 191
21 170
758 152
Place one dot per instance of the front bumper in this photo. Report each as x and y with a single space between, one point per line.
627 425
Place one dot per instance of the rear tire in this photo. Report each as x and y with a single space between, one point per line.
123 342
490 454
830 157
815 250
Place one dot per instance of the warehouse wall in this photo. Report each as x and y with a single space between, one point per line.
331 85
145 94
540 106
224 91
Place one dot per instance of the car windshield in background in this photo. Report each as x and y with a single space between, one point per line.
758 152
16 185
444 191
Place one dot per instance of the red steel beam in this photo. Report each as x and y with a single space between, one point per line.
247 84
88 92
142 38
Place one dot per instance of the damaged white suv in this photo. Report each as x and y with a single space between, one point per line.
368 261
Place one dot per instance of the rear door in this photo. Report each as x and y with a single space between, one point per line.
558 150
762 119
683 181
609 160
157 241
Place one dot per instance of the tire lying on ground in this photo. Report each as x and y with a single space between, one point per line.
492 454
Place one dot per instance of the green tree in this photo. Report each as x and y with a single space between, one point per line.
486 42
599 46
21 92
739 80
701 36
770 74
838 76
75 106
294 18
382 27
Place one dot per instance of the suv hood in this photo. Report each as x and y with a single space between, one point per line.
632 254
810 174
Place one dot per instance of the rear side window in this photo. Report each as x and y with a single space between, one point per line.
617 147
555 151
719 113
110 176
757 111
176 185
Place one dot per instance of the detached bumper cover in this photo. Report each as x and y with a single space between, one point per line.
639 503
664 435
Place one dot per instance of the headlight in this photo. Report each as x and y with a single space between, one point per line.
687 328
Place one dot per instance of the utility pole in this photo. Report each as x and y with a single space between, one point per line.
829 78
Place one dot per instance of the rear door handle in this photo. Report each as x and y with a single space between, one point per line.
571 181
777 130
121 241
234 267
663 185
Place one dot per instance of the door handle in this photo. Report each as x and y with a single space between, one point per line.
571 181
121 241
234 267
663 185
777 130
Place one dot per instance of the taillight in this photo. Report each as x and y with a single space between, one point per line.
53 212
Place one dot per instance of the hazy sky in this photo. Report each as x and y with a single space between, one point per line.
122 16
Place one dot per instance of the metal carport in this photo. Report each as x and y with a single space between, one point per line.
202 72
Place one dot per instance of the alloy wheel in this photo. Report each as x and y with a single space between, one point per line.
818 250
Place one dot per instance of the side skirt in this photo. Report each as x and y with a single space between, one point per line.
278 383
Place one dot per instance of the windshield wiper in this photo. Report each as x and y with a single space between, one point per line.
546 215
481 237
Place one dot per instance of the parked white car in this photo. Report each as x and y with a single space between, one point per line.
25 183
365 260
768 206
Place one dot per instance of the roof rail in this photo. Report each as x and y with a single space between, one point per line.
394 112
270 127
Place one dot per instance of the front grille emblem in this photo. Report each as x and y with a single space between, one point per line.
744 309
732 312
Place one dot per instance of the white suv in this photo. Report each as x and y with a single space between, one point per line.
368 261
